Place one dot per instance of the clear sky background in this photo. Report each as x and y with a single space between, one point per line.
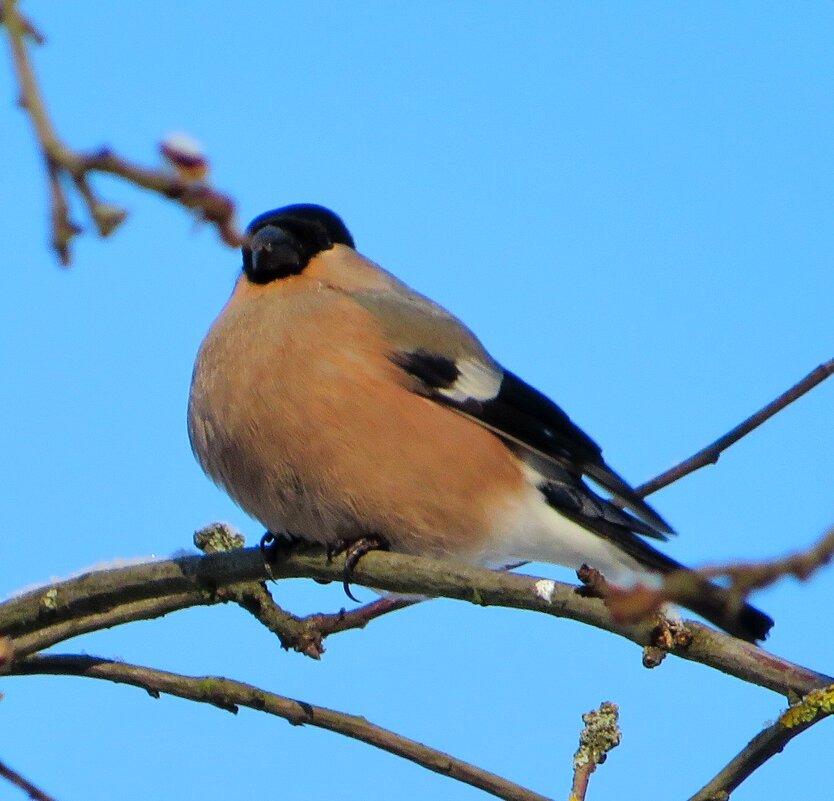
631 203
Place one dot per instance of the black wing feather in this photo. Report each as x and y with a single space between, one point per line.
436 372
527 417
533 418
529 420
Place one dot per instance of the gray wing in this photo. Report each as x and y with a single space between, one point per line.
448 364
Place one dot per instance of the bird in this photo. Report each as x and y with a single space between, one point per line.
335 404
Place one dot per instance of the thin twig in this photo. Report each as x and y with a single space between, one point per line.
306 635
28 28
35 793
110 597
358 618
810 710
711 453
211 205
229 695
747 576
600 735
685 587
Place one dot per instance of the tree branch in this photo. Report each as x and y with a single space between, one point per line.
711 453
110 597
306 635
28 28
683 587
35 793
816 706
302 634
600 735
229 695
60 161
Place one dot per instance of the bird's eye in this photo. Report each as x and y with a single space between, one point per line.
273 253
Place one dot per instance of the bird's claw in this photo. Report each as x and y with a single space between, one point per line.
354 551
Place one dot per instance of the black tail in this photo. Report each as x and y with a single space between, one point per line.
716 604
572 498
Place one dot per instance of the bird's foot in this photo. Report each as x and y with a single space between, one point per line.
275 544
354 550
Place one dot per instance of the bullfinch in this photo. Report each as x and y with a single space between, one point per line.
336 404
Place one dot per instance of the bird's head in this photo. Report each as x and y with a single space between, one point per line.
281 242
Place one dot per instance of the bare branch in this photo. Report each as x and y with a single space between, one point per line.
35 793
711 453
109 597
813 708
28 28
229 695
748 576
345 620
210 204
81 622
600 735
684 587
306 635
302 634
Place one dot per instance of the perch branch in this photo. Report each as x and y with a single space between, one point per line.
113 596
302 634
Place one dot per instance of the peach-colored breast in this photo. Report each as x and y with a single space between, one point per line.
298 412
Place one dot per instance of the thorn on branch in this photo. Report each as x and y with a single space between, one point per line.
653 656
106 216
593 583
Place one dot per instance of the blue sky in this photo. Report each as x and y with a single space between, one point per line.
631 205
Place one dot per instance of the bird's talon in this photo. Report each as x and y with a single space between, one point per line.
353 553
267 542
274 545
346 588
